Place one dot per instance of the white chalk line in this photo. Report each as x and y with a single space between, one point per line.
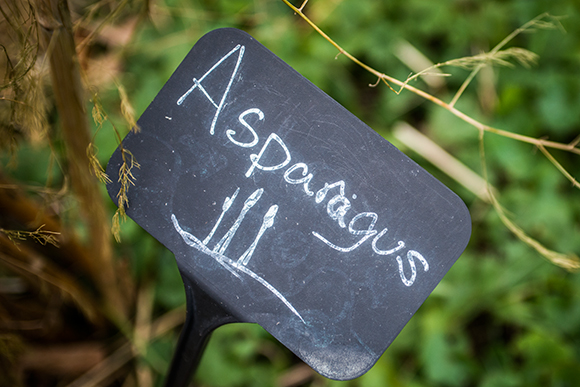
230 265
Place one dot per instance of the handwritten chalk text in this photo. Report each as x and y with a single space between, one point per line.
274 155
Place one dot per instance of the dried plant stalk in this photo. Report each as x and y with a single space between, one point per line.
54 17
127 109
95 166
41 271
477 62
388 80
41 236
21 210
126 179
126 351
23 105
568 261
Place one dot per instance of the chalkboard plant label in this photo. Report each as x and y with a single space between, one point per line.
285 208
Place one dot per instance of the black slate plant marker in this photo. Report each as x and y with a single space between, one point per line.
284 209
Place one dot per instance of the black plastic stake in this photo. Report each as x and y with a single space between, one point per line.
203 316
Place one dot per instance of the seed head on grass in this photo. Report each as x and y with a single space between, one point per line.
126 179
95 166
39 235
127 109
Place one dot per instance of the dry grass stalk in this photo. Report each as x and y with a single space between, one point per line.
142 332
572 148
41 274
108 19
126 179
64 359
39 235
54 17
298 375
495 56
95 166
569 261
17 208
559 166
23 104
127 109
416 61
123 354
534 24
437 156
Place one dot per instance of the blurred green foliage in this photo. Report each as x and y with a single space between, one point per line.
503 316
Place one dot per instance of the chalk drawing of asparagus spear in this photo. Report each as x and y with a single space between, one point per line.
266 224
223 244
225 207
